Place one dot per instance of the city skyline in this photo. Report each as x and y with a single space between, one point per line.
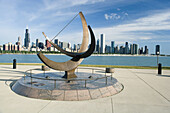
100 48
135 21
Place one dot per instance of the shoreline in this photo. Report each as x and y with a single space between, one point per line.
149 55
103 66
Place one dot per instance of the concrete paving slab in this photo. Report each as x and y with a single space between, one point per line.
140 108
159 83
91 106
144 92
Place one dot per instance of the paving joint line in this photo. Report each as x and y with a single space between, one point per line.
112 105
44 107
152 87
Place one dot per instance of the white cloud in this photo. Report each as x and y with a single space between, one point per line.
154 22
145 38
159 21
54 4
113 16
116 16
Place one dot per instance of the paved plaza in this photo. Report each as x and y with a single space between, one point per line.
144 92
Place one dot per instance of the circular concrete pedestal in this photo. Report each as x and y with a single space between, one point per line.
52 87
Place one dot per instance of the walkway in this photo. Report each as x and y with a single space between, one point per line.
144 92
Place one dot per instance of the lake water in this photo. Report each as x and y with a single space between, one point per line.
93 60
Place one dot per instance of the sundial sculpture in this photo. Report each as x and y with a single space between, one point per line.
70 66
37 85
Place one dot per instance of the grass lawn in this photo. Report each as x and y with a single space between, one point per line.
84 65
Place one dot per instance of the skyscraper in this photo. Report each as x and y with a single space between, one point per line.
126 48
146 50
112 47
135 49
75 47
117 49
64 45
56 41
41 45
47 44
19 41
37 42
107 49
27 39
141 50
157 51
102 43
131 48
122 50
98 46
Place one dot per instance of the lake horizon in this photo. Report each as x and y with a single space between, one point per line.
121 60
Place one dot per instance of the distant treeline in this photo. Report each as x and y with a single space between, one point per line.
51 52
29 52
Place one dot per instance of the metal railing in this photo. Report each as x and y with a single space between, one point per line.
29 73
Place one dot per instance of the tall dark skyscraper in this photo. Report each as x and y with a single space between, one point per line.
27 39
126 48
146 50
56 41
37 42
135 49
98 46
157 51
112 47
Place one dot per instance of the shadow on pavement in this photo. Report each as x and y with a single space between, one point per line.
8 79
163 75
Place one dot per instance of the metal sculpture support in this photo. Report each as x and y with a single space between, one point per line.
70 66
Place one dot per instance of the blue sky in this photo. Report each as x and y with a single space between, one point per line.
145 22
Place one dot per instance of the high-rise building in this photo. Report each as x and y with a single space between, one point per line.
33 45
126 48
41 45
102 43
19 48
78 46
112 47
122 50
47 44
117 49
9 46
15 47
98 46
75 47
135 49
19 39
131 48
64 45
157 51
146 50
5 47
69 45
56 41
107 49
27 39
141 50
19 42
37 42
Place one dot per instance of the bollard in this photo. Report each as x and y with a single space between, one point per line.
159 68
14 64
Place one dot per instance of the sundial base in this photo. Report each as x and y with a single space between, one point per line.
78 89
70 74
